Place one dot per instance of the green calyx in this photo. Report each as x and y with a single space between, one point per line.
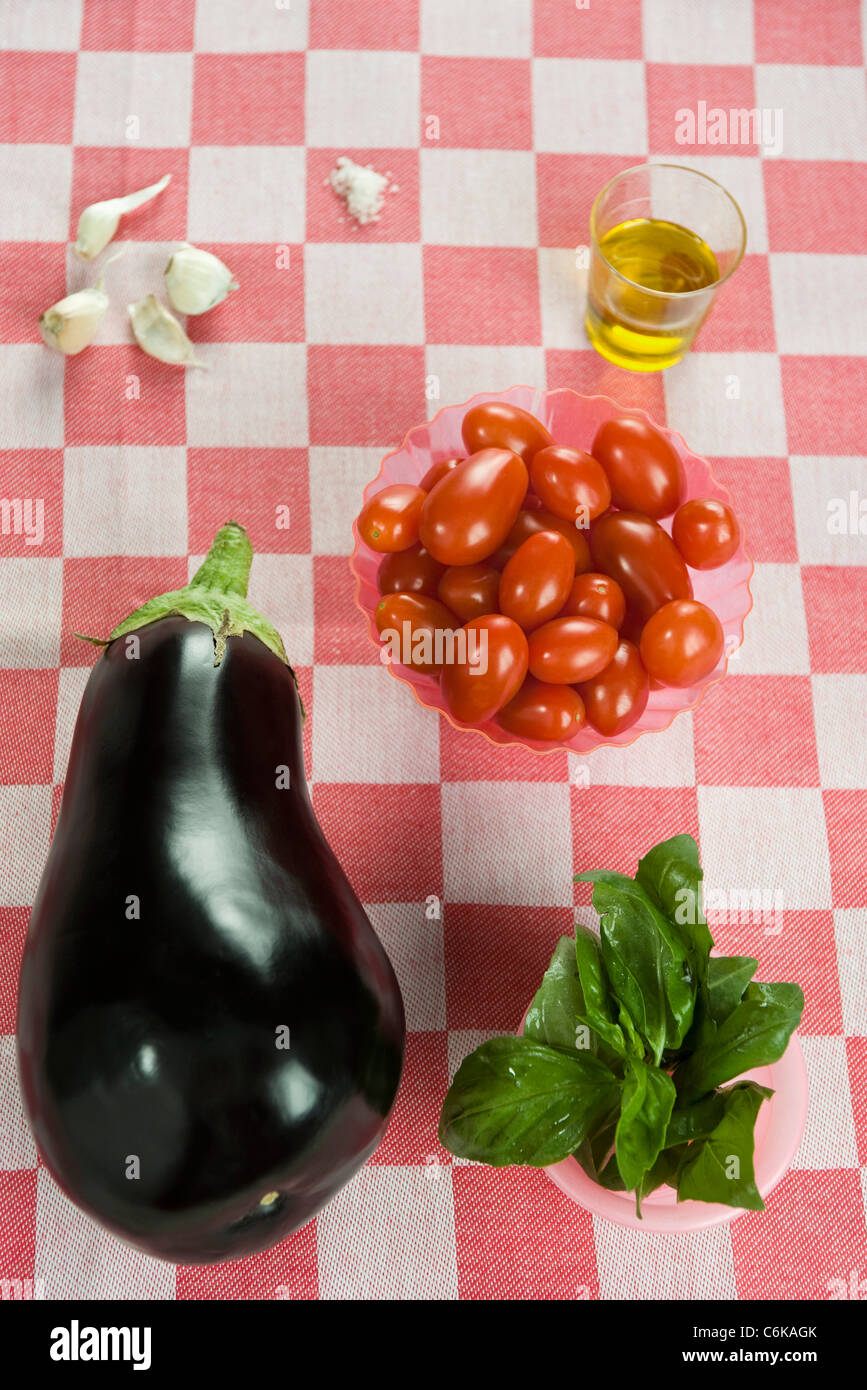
216 596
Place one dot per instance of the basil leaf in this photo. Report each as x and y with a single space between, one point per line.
553 1016
598 1012
671 875
695 1121
663 1171
610 1176
645 959
720 1167
517 1101
594 1152
755 1034
728 977
647 1100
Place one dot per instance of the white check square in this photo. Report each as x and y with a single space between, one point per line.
744 852
25 819
824 109
29 215
483 29
363 294
413 941
478 197
338 477
31 597
679 31
282 587
648 1265
17 1146
400 745
728 403
850 931
584 105
829 496
487 827
820 303
775 630
37 25
363 100
32 377
829 1138
247 193
840 712
138 496
236 26
144 100
460 372
255 395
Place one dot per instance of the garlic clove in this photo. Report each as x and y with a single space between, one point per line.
98 223
197 280
71 323
159 334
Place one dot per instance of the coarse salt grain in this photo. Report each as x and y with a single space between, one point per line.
361 188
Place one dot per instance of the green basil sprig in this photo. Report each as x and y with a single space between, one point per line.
626 1047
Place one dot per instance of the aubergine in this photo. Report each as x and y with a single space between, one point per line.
210 1035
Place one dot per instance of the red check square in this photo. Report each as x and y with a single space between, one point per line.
163 28
13 931
395 25
623 823
817 395
477 997
340 633
761 491
403 815
810 1234
266 488
566 187
736 733
681 104
33 476
327 217
845 818
268 306
99 593
99 173
480 294
591 375
304 677
411 1136
248 99
469 757
563 29
34 274
798 31
803 950
364 395
816 205
38 104
29 703
479 103
287 1271
18 1235
856 1054
742 316
119 395
830 590
519 1237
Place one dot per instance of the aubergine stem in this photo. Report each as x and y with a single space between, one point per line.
216 595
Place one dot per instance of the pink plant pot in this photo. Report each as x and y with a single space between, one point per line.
779 1131
572 419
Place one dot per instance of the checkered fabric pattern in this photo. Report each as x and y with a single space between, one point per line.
498 120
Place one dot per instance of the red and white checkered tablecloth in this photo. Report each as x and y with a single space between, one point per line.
499 120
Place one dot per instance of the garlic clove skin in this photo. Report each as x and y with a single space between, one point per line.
159 334
98 223
70 325
197 280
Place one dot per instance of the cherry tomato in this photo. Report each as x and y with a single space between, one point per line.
642 558
568 650
390 520
493 669
530 523
643 468
424 616
682 642
542 711
570 483
595 596
472 509
616 698
437 471
705 532
470 590
537 579
411 571
496 425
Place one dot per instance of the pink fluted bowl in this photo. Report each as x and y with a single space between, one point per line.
573 420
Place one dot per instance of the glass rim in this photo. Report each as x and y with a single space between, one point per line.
645 289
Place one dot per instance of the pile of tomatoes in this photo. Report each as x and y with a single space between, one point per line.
556 555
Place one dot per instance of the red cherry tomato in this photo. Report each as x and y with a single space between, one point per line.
470 590
390 520
643 469
423 615
542 711
493 669
616 698
682 642
570 483
642 558
568 650
595 596
496 425
705 532
537 579
437 471
530 523
472 509
411 571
